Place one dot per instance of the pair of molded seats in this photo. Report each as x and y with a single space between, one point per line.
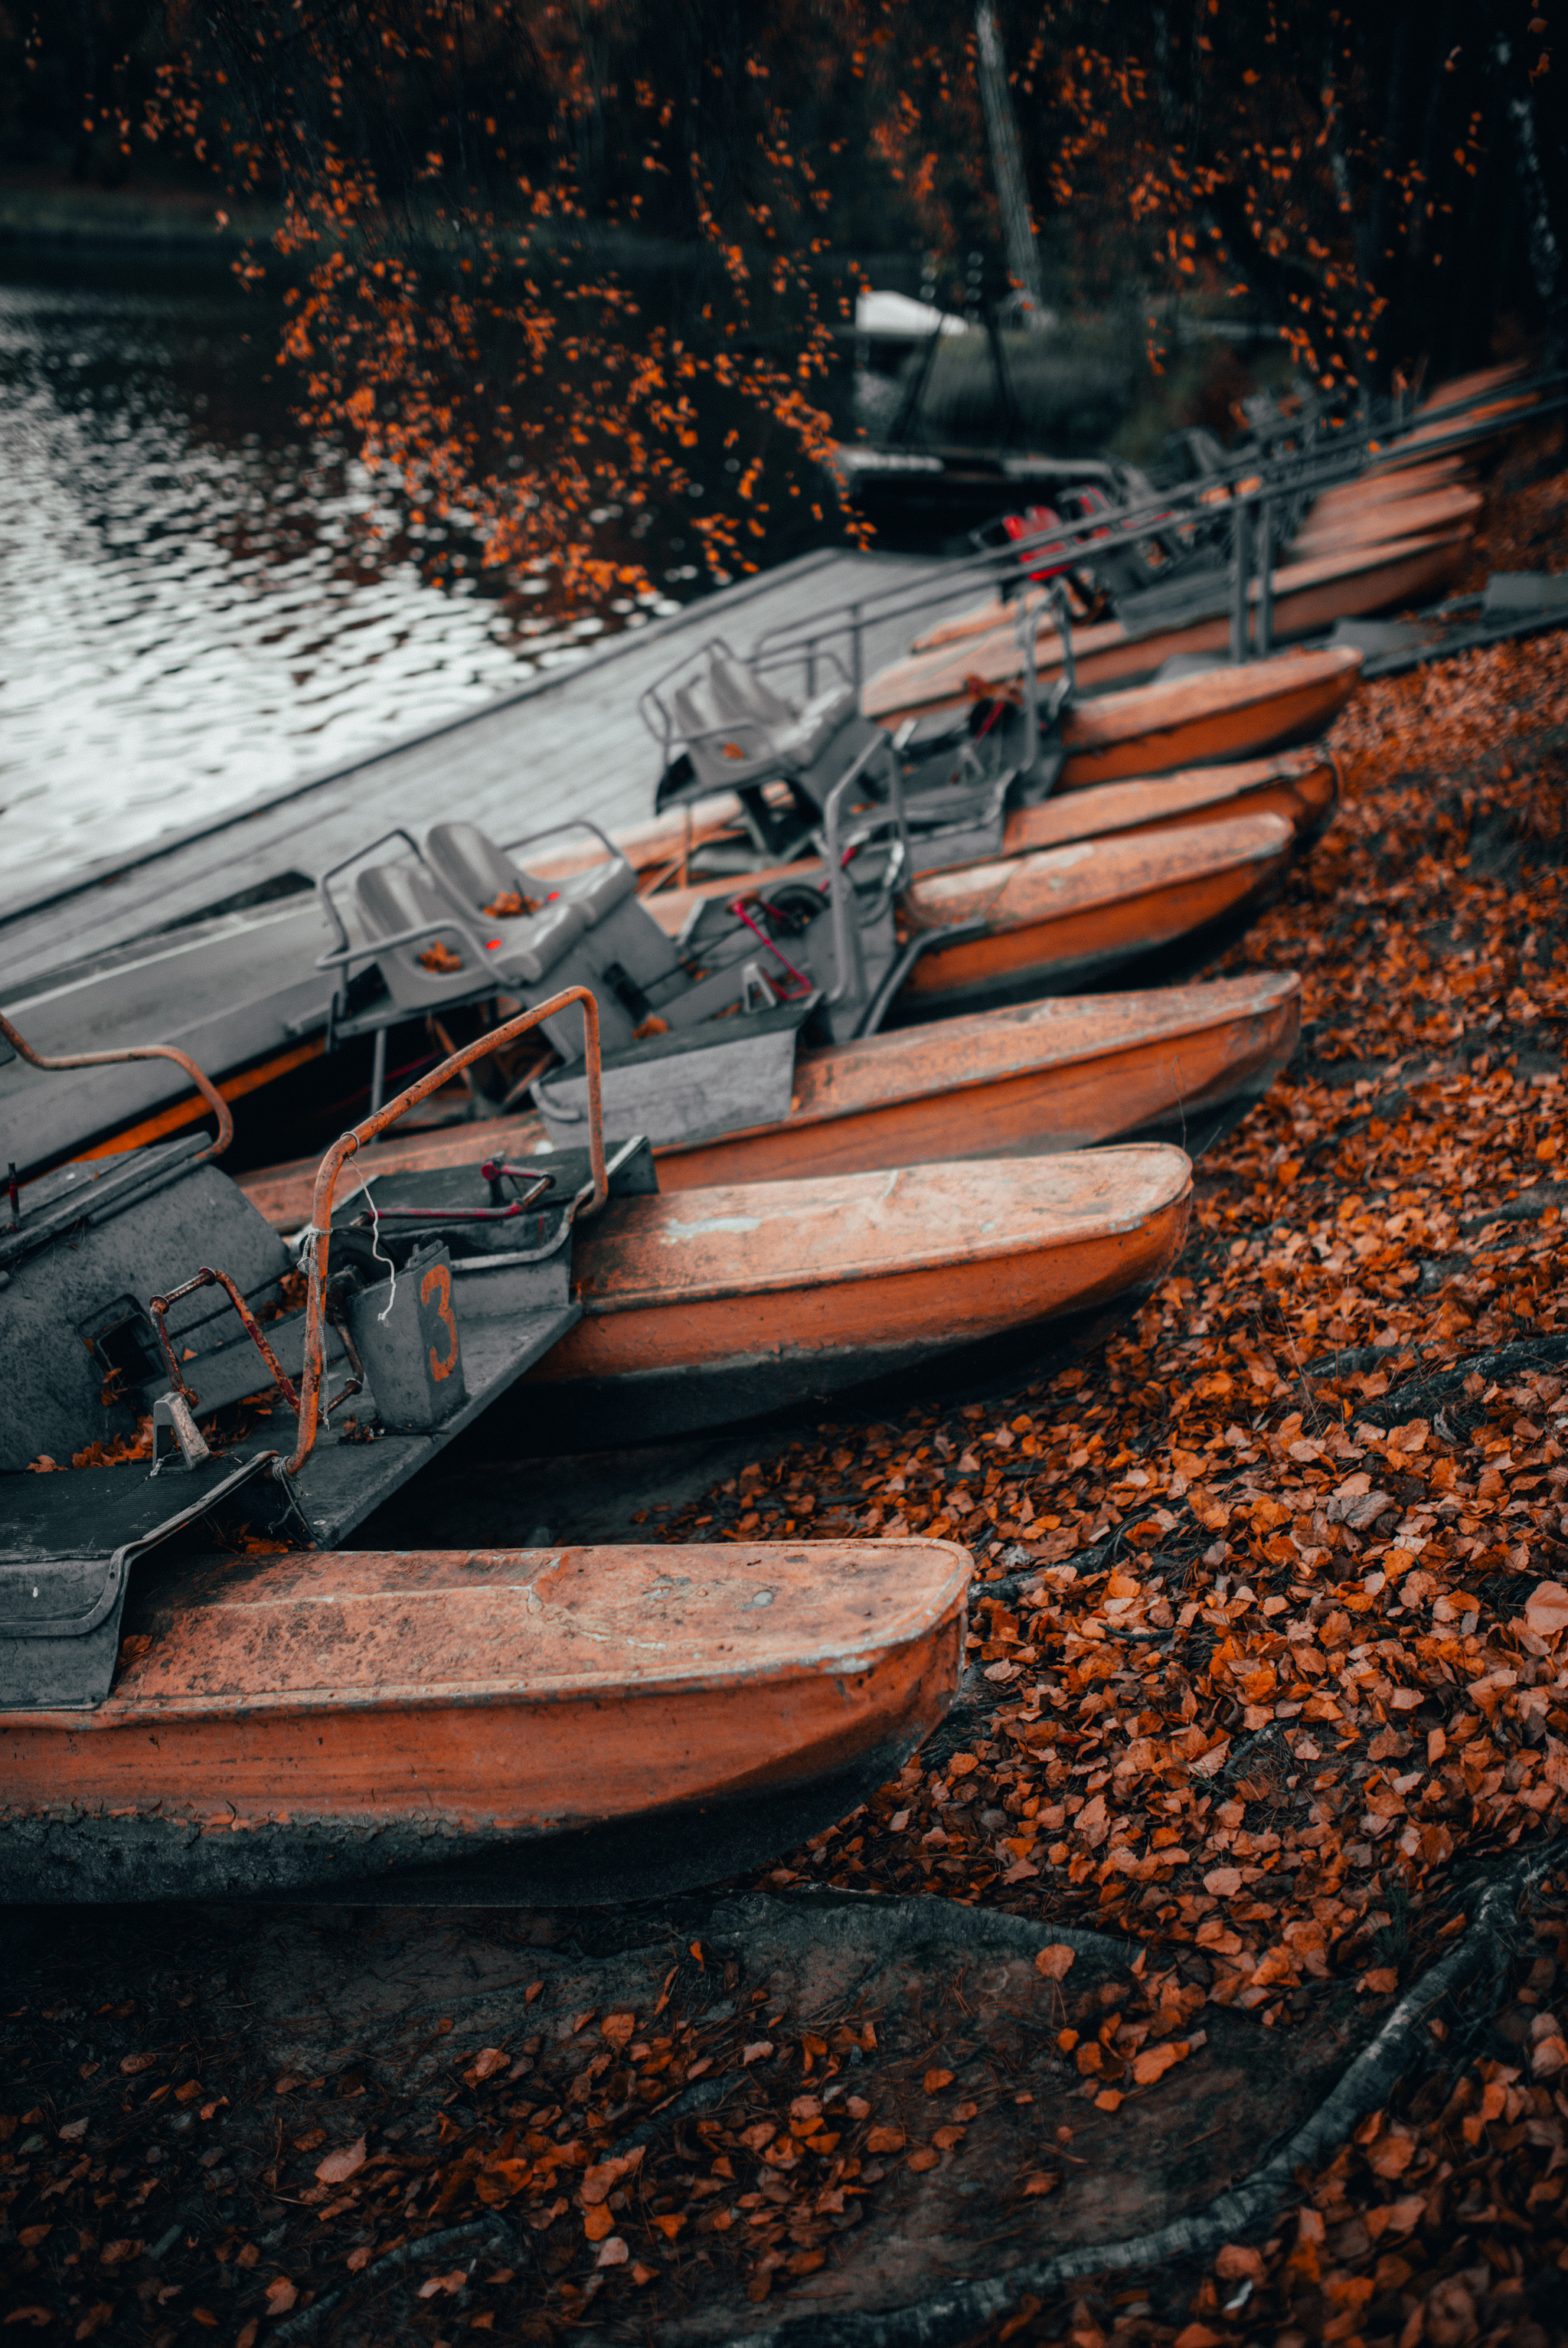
738 732
588 927
585 928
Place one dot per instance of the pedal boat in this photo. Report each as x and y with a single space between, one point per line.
1230 711
481 1725
1302 786
733 1301
1309 596
1023 1080
203 1694
1068 918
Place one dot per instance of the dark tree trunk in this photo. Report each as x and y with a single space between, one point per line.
1541 243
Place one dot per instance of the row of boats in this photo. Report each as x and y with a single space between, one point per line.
794 1093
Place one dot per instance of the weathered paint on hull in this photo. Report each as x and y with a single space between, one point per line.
1189 721
1056 1076
312 1721
1309 596
1053 1075
818 1285
1069 915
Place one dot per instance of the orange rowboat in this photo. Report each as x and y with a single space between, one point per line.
1308 597
1053 1075
1221 713
1302 786
482 1725
1375 520
795 1290
1069 916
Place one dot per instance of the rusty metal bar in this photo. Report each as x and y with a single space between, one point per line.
319 1236
203 1083
207 1278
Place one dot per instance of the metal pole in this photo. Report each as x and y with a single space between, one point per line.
857 656
1240 577
378 1072
1007 166
1265 643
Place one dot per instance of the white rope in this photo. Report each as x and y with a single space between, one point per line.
376 1249
314 1232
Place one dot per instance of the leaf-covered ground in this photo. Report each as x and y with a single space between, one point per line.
1268 1682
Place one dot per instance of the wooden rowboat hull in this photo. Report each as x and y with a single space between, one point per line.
1309 596
725 1304
1060 1075
1068 916
1302 786
1027 1080
1224 713
440 1726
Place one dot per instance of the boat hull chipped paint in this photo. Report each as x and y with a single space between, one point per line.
1026 1079
768 1294
1221 712
1069 916
482 1724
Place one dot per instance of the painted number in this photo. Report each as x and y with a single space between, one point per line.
438 1283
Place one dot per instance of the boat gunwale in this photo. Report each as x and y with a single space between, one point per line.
1194 838
981 1251
124 1712
831 1113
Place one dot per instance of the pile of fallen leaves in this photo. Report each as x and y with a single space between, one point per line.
1277 1652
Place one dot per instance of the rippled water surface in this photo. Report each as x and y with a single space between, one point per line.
195 605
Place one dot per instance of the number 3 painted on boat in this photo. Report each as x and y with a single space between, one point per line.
438 1283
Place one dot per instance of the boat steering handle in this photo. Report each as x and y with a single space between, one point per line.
346 1143
203 1083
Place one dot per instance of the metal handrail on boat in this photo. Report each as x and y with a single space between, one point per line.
1251 482
202 1082
318 1236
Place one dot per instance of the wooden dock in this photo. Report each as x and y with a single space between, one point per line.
177 942
568 743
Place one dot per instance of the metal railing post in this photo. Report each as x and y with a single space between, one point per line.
1240 576
1265 636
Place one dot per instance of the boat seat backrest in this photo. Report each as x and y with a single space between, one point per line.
595 914
738 692
474 869
392 898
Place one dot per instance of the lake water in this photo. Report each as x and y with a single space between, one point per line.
195 604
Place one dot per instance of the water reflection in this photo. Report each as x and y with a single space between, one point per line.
194 606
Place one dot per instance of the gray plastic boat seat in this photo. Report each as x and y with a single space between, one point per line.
596 912
797 734
738 692
392 898
474 869
478 872
396 897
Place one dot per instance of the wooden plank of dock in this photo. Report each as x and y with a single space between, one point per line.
566 744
